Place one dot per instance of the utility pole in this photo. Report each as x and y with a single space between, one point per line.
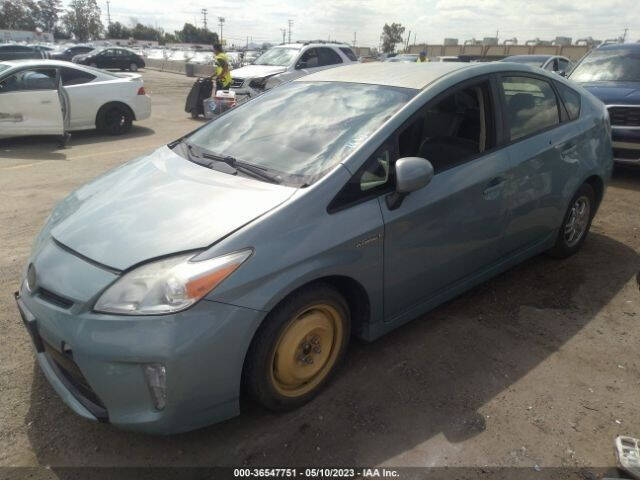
221 23
204 17
108 13
354 39
624 37
284 34
290 24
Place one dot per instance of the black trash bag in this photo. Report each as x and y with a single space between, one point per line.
200 90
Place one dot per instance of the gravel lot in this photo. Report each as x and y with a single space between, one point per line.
539 366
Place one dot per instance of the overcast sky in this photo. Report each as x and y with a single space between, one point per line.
430 20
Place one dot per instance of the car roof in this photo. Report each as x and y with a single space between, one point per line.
311 44
529 57
39 62
404 75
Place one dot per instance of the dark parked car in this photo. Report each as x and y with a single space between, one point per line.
71 52
19 52
552 63
612 73
112 58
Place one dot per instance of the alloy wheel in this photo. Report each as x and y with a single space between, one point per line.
578 221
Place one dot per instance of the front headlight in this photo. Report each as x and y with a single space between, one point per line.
169 285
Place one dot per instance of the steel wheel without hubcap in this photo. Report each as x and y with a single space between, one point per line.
306 350
578 221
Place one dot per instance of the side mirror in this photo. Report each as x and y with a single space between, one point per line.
412 173
562 73
301 64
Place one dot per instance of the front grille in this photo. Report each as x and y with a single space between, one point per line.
237 82
625 116
74 378
626 154
53 298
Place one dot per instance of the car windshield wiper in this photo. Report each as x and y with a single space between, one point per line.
208 159
243 167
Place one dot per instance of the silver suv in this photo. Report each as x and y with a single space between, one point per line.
284 63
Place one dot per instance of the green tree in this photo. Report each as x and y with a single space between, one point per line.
83 19
191 34
60 33
391 34
118 31
168 38
145 32
17 15
48 14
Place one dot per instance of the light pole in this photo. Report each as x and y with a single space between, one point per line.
204 17
221 23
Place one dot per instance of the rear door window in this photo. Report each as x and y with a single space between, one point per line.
328 57
531 106
72 76
309 59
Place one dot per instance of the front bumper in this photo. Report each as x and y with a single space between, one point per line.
202 348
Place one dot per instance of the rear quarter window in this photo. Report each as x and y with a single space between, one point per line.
72 76
349 54
531 106
571 100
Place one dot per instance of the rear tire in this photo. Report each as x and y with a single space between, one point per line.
115 119
576 223
298 348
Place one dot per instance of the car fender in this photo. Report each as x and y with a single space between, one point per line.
318 244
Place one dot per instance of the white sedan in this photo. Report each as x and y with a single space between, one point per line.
51 97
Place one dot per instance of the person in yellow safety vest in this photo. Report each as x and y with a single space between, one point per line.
422 58
222 74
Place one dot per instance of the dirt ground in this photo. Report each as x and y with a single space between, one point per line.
538 367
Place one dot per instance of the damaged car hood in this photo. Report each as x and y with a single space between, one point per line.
158 205
256 71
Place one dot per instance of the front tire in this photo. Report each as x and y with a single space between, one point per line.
576 223
133 67
298 348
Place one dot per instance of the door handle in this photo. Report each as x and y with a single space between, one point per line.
493 188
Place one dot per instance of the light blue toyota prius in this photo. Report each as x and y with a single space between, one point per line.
241 258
